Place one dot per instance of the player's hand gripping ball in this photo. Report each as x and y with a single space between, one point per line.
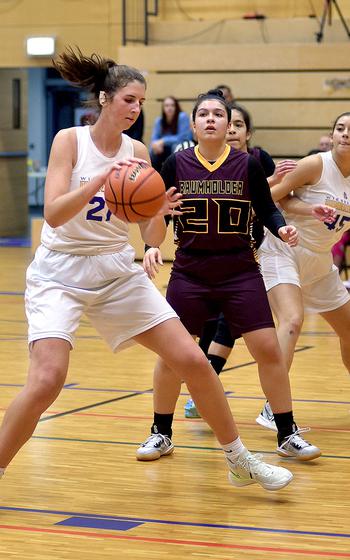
134 193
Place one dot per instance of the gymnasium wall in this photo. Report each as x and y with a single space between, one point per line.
13 148
293 86
94 26
187 10
97 26
293 91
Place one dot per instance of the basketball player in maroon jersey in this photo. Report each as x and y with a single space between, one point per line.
215 269
216 340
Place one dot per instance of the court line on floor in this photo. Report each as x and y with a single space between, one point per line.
87 407
198 421
250 528
191 447
131 392
203 544
253 362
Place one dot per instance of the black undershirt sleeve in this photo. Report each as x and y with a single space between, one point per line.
263 205
267 163
168 173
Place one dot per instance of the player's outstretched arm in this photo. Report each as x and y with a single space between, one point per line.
307 172
282 168
293 205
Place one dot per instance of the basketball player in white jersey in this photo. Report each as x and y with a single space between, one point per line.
85 264
305 278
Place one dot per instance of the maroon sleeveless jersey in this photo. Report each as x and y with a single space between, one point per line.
217 209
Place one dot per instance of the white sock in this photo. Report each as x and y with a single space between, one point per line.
233 450
2 472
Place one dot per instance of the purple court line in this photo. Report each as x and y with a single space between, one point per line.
179 523
14 242
229 395
98 523
160 540
73 386
190 447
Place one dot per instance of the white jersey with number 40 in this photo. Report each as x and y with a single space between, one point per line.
332 189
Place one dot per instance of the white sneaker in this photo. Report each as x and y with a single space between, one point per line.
295 446
266 418
154 447
250 469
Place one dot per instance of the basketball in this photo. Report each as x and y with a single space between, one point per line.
134 193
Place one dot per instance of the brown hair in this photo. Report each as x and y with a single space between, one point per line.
95 73
172 126
212 94
347 114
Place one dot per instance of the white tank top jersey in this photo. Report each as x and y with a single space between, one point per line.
332 189
94 230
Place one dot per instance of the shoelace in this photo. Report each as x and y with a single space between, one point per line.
255 464
159 440
268 412
295 439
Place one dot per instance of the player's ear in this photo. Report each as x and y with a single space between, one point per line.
102 98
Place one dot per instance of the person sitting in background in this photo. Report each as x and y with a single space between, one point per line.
227 93
171 128
324 145
88 118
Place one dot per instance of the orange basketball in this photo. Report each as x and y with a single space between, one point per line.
134 193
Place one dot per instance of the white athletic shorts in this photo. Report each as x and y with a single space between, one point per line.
112 290
314 273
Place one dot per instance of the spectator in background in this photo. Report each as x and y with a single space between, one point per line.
88 118
171 128
324 145
227 93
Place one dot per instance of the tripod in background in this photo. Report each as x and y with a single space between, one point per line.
327 12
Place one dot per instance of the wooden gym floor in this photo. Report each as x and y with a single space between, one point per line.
75 491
